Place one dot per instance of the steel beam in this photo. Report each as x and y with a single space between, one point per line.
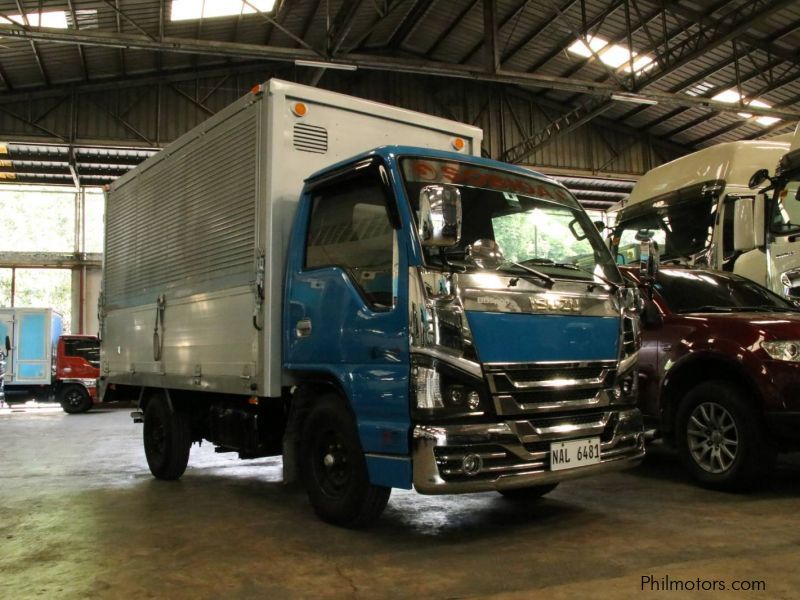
364 61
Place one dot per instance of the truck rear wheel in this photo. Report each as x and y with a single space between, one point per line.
74 398
720 438
335 470
528 494
167 439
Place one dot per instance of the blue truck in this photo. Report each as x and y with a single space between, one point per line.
285 280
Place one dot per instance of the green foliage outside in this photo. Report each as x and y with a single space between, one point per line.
539 234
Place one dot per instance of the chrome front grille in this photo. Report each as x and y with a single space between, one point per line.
550 387
629 344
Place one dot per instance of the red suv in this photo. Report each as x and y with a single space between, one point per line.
719 373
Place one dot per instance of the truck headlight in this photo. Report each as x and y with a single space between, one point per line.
438 390
783 350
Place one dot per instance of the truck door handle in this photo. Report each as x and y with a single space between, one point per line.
303 328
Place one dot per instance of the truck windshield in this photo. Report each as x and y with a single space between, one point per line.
536 224
687 291
89 350
786 208
682 229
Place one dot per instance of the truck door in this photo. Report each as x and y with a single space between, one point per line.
7 329
344 315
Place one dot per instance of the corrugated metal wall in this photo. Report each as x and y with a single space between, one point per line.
157 113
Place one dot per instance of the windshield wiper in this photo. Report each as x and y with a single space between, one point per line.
549 281
571 267
766 308
706 308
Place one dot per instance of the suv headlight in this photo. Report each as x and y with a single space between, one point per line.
783 350
438 390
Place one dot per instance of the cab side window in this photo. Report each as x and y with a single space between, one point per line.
350 228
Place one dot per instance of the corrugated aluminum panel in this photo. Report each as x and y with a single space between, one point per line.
206 202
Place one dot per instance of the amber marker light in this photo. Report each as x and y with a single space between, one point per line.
458 144
299 109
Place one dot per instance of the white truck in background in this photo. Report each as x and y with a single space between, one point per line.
701 210
782 208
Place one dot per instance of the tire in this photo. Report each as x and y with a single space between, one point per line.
167 439
721 440
528 494
74 398
335 470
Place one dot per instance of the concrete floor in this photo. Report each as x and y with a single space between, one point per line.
80 517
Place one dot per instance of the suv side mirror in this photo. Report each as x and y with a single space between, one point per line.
651 316
439 216
8 344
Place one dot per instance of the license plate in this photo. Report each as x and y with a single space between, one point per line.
574 453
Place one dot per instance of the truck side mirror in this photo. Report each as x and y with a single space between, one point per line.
648 260
439 216
8 344
744 233
758 178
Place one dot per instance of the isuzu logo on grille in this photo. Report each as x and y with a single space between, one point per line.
555 304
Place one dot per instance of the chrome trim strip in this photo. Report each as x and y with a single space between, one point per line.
507 405
527 432
557 383
628 362
608 363
464 364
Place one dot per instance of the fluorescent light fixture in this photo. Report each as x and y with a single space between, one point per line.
56 19
185 10
622 97
581 49
321 64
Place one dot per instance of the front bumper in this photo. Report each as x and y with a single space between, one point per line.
515 454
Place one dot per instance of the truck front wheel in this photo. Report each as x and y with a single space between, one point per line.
167 439
74 398
335 470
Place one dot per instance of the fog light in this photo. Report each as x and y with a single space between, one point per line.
471 464
473 400
456 395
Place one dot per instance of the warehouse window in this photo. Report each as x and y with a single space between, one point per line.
37 219
94 211
184 10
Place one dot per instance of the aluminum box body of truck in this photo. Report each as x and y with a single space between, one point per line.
204 225
33 333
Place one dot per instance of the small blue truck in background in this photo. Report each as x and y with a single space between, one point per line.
286 280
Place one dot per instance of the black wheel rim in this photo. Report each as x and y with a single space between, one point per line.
332 465
712 437
74 398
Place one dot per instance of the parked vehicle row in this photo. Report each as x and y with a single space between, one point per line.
42 363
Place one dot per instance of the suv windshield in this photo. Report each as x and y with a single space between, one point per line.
537 224
711 291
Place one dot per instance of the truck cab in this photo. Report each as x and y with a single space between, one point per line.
470 314
702 212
